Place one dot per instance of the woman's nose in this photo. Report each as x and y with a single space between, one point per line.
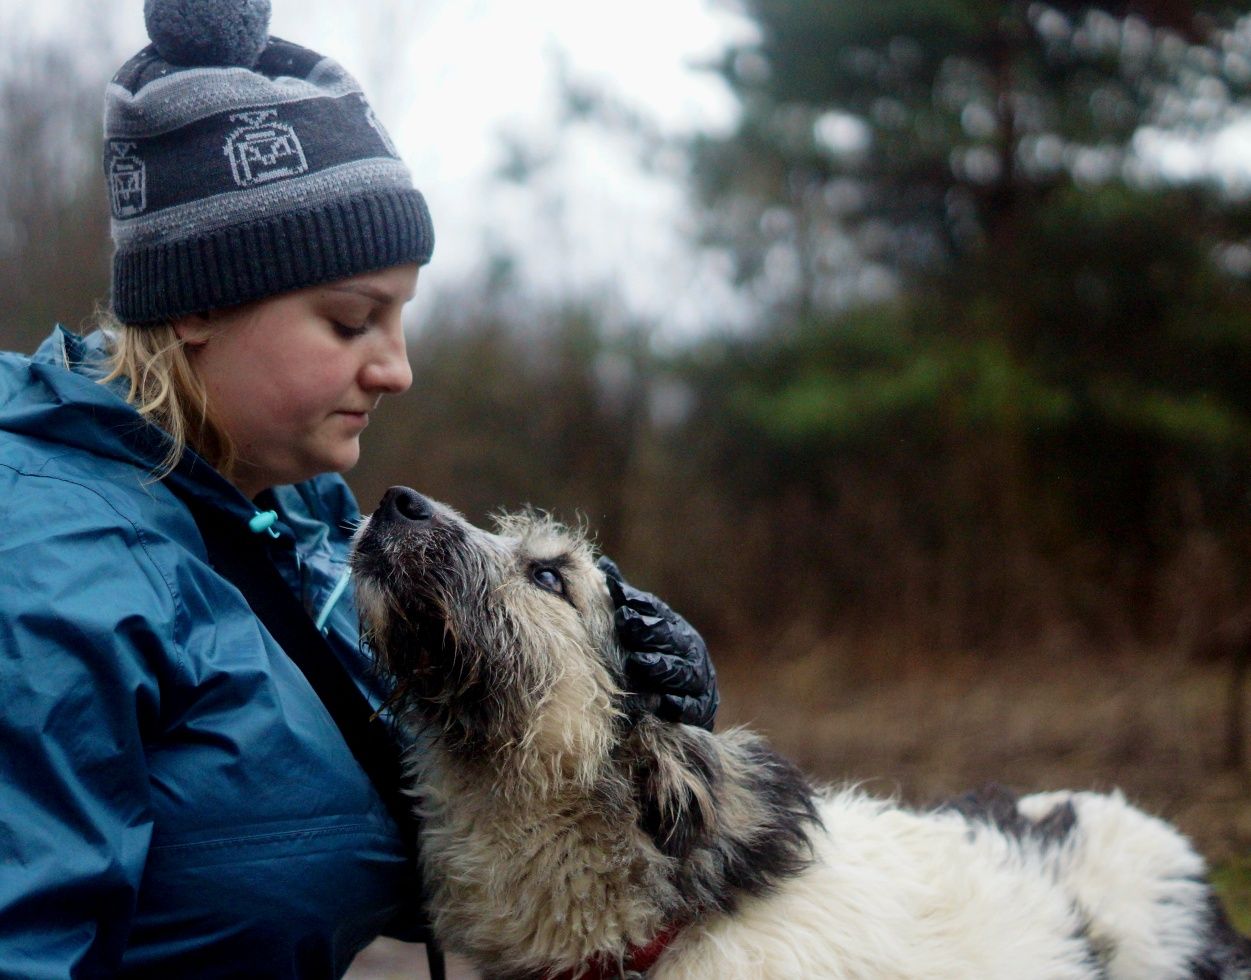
389 372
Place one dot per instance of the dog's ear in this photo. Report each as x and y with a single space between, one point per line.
675 772
731 813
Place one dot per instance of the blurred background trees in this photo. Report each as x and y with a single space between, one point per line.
983 288
54 257
993 401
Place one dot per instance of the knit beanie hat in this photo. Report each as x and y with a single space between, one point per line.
240 166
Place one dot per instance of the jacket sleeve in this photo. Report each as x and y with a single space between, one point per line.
80 632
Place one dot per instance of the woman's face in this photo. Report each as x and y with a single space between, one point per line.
292 379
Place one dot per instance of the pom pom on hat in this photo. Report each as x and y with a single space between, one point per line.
208 32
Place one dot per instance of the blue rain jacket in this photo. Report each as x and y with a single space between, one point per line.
175 800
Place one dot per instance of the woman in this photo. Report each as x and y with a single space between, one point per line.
177 800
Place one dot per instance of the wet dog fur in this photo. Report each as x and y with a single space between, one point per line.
563 825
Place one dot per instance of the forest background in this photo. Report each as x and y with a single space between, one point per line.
965 496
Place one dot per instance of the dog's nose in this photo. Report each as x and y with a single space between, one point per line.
403 504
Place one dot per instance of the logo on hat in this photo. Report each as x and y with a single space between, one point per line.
379 129
128 181
263 149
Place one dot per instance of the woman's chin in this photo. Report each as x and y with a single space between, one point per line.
347 457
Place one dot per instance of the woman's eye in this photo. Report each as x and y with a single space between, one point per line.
549 578
347 331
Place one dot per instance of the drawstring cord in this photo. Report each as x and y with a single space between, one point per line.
264 520
335 593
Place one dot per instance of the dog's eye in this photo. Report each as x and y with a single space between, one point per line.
548 578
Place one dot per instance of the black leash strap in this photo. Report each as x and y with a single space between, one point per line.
241 557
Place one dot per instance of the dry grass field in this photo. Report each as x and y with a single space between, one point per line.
1149 723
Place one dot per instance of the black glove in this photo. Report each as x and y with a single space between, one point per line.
666 660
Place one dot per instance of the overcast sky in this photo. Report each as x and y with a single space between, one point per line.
452 79
455 79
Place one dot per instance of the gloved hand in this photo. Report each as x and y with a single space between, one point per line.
666 660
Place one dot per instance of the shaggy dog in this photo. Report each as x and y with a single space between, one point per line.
570 833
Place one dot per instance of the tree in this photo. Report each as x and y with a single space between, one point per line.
928 133
976 281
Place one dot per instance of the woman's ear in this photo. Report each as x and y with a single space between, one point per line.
194 329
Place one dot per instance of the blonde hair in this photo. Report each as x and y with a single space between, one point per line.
165 389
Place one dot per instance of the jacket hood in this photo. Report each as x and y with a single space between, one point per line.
55 396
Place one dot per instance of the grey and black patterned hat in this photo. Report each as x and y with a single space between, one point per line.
240 166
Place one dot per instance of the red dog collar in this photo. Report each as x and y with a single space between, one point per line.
637 961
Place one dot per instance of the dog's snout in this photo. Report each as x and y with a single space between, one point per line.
403 504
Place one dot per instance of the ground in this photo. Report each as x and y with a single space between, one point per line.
387 959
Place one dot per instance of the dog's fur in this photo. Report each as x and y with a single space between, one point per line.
563 824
